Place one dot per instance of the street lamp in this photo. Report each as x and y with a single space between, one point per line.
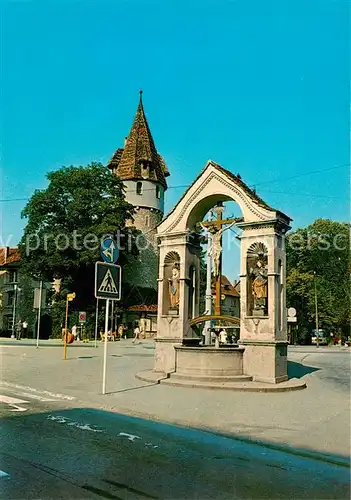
16 289
316 306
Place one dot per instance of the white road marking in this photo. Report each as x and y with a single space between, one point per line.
131 437
4 474
58 419
8 400
64 420
34 396
38 391
13 402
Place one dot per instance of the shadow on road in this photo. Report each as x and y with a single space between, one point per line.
88 453
297 370
133 388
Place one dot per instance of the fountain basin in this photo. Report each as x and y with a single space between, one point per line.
208 362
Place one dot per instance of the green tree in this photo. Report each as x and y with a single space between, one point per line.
318 258
65 223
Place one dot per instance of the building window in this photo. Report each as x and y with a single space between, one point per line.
147 221
139 187
158 192
12 276
10 298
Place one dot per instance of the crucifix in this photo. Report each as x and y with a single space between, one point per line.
217 228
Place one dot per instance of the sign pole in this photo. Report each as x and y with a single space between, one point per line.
316 305
107 286
14 313
112 316
105 347
96 320
65 335
39 311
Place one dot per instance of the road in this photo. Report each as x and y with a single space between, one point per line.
53 448
332 365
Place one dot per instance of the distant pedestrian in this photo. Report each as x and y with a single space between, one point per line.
136 334
120 331
143 328
24 328
74 332
222 336
19 330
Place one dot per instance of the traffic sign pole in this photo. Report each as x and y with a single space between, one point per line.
96 320
105 347
107 287
69 298
65 335
39 311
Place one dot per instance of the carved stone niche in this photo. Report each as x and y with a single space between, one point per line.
171 284
257 280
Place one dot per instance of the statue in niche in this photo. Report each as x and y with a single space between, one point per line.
257 264
173 284
259 285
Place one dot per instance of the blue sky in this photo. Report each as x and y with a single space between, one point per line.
261 87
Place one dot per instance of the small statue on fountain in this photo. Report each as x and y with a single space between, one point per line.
173 284
260 286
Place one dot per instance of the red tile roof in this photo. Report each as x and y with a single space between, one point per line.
139 149
143 308
9 255
226 287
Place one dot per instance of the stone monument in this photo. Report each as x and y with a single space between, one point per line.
262 352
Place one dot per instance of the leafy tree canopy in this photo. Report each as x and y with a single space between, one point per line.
318 258
65 224
65 221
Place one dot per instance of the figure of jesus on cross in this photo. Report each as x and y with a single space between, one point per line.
217 228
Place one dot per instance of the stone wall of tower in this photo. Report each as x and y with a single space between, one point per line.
144 272
146 220
149 195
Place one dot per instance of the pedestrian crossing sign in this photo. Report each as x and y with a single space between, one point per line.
107 281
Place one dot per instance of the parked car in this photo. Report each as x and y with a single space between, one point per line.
323 337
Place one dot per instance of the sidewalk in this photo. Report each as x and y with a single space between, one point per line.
317 418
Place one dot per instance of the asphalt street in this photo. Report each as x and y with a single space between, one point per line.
332 365
54 449
60 438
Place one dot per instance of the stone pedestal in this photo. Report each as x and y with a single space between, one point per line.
265 361
165 355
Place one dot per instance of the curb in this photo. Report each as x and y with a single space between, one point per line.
291 385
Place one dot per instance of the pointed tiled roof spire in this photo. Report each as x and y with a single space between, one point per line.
139 158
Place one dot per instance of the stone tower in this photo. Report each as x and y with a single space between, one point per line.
143 172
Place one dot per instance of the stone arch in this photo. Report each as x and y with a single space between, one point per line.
215 184
171 257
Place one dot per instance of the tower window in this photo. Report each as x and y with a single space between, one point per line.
139 187
147 221
158 192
